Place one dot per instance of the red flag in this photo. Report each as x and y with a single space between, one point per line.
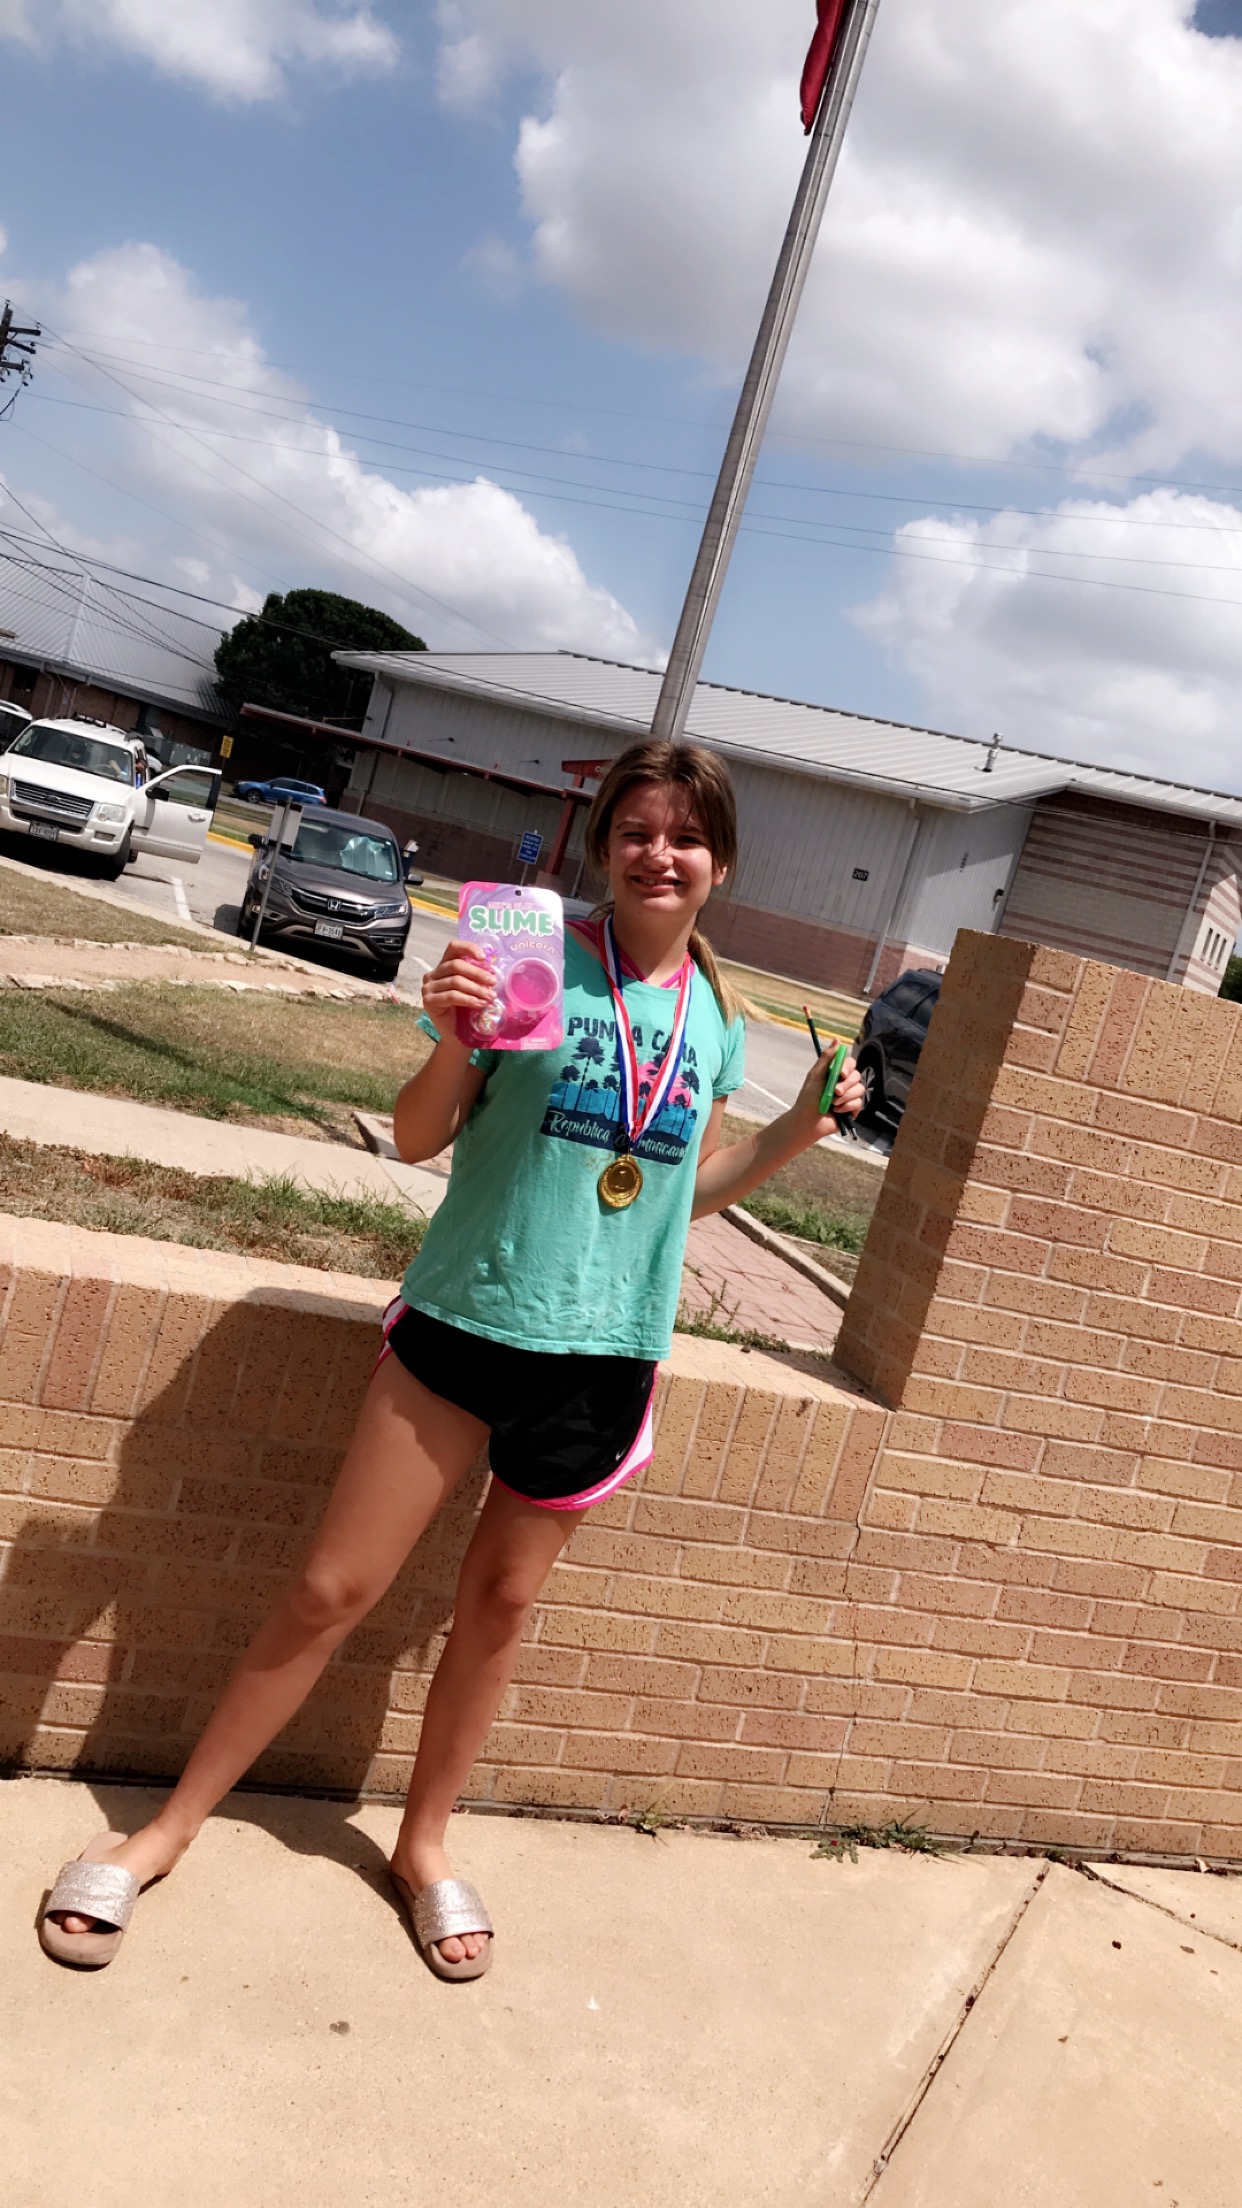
819 59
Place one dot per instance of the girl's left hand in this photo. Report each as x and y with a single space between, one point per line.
847 1099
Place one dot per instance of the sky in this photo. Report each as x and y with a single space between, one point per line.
445 306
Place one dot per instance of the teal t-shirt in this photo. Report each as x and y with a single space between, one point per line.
522 1250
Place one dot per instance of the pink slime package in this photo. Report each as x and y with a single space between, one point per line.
522 934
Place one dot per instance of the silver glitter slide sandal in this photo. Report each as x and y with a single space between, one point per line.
91 1887
444 1911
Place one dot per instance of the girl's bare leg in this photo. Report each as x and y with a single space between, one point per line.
408 1452
514 1547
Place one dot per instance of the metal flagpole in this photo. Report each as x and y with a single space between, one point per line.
755 404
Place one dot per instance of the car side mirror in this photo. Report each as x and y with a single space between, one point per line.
257 840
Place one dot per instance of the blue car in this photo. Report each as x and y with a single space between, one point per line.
278 789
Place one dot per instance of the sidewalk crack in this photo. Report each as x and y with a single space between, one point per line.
1190 1924
921 2091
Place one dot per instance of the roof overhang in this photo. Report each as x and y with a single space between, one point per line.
631 729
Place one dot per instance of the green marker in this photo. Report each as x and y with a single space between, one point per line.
835 1070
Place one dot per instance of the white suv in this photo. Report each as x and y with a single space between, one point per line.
77 783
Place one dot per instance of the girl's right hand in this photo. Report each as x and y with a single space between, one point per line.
463 980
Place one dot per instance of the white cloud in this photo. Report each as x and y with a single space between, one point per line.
234 447
1139 664
1036 231
235 49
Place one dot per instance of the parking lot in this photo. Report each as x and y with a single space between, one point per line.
211 894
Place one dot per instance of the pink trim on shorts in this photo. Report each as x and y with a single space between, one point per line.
636 1458
395 1311
639 1455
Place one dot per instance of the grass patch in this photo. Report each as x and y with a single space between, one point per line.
262 1218
261 1060
902 1833
805 1221
35 906
829 1180
718 1323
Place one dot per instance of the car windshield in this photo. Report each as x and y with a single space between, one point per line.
65 747
350 850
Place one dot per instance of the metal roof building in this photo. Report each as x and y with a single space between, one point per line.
70 642
865 844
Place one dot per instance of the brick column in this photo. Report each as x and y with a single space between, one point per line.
1050 1299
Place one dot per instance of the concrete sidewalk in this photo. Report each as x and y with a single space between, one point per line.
114 1127
727 1277
714 2022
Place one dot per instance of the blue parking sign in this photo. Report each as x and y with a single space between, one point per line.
529 848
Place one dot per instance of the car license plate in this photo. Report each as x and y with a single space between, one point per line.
331 928
45 829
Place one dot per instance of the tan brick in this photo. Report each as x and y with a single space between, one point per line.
1053 1418
25 1345
810 1658
998 1751
740 1470
926 1476
550 1788
745 1689
684 1720
1025 1680
1198 1482
1202 1522
927 1743
737 1567
1035 1790
677 1519
1053 1720
1179 1592
754 1607
585 1629
708 1644
1086 1018
755 1766
1043 1299
681 1402
647 1675
624 1753
922 1667
769 1805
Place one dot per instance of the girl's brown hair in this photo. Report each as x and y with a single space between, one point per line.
705 780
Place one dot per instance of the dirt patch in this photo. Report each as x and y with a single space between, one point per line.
265 1218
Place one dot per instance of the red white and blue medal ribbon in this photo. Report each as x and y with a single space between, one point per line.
636 1115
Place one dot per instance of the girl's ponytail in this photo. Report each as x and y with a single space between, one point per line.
705 959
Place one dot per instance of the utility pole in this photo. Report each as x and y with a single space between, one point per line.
17 349
762 376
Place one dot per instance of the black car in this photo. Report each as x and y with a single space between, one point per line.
890 1039
342 882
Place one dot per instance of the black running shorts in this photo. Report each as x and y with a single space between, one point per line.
565 1430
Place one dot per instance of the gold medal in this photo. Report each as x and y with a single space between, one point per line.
620 1181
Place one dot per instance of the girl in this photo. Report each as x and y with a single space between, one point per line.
532 1320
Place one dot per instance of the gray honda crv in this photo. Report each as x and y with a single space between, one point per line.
343 882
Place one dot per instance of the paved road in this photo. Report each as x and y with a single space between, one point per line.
211 893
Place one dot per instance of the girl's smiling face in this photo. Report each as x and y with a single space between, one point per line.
659 859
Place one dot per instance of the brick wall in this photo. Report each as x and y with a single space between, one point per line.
996 1585
171 1422
1050 1298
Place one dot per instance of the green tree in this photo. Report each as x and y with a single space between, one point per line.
1231 986
283 657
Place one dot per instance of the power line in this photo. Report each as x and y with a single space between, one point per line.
413 590
650 511
611 493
